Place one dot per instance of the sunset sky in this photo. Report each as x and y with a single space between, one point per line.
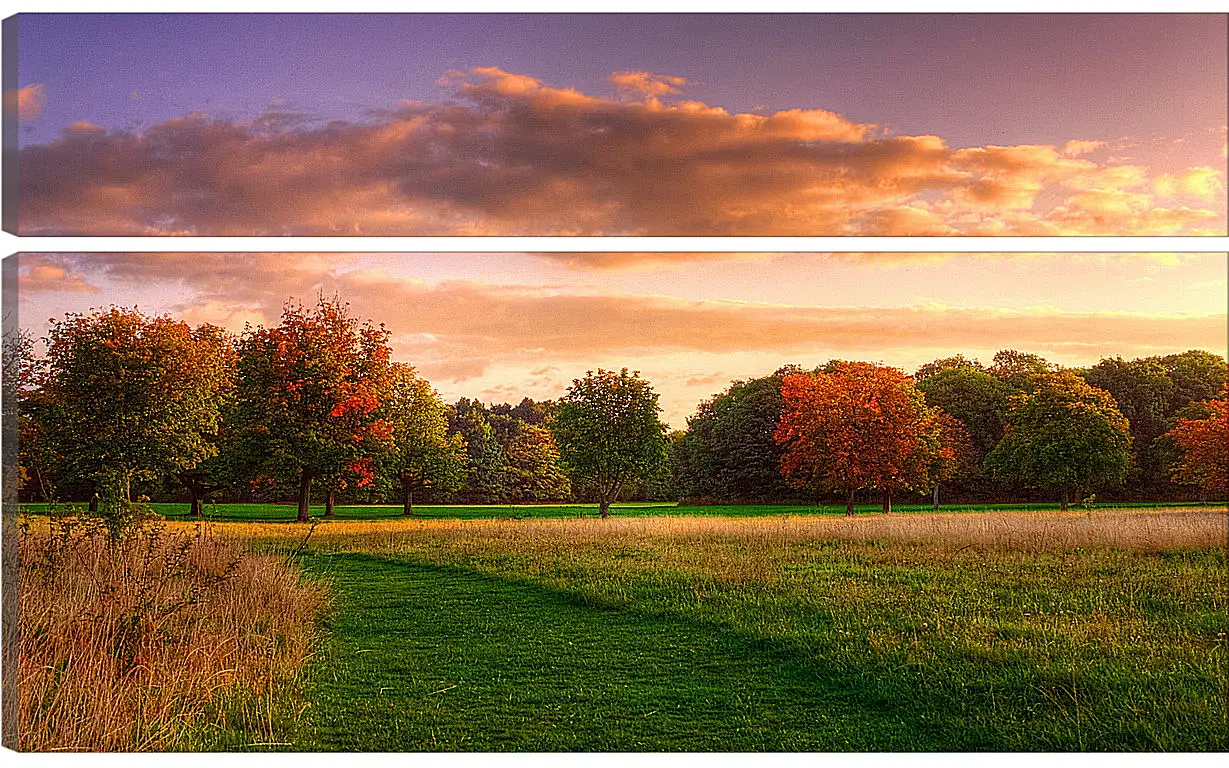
823 124
499 327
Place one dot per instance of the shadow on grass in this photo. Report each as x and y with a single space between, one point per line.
427 657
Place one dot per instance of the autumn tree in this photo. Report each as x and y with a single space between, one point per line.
957 453
855 426
423 454
131 398
609 433
1204 444
1065 435
309 391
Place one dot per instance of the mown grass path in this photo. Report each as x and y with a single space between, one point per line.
428 657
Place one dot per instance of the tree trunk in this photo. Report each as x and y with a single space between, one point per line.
936 497
407 499
1064 507
328 503
603 508
305 495
887 500
94 504
196 503
849 504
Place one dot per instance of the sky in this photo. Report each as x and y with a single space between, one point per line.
674 124
499 327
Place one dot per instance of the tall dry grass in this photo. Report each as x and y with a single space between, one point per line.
1145 531
146 640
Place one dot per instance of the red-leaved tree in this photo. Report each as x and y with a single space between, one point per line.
308 397
858 426
1205 447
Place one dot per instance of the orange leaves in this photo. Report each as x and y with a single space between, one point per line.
857 426
1205 447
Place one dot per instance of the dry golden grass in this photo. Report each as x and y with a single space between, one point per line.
141 642
1152 530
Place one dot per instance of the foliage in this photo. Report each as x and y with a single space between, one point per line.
309 394
423 455
129 397
1205 447
486 466
859 426
1020 371
1066 435
728 453
973 396
609 433
533 472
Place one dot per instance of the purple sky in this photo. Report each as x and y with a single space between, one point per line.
972 78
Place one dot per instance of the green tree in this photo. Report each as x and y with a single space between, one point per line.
1020 371
1065 435
971 395
533 472
309 393
609 433
423 454
1196 375
728 452
486 475
132 398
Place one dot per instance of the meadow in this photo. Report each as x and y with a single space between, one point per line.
668 629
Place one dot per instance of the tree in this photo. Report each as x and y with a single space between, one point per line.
486 473
1019 370
957 454
423 455
1205 447
855 426
728 452
1196 376
533 472
971 395
609 433
1143 390
132 398
1065 434
309 393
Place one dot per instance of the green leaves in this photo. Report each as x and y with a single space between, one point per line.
609 432
1064 434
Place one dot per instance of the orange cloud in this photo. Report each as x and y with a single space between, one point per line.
647 82
456 330
28 101
518 156
48 278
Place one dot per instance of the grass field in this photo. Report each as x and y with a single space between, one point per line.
1003 631
272 513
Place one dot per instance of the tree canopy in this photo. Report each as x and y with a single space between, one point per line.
856 426
129 397
1065 434
609 433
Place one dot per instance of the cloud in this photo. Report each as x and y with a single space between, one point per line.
42 275
1077 147
647 82
28 101
518 156
457 330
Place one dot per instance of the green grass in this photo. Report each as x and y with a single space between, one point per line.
487 640
273 513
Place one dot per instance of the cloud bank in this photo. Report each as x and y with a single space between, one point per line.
516 156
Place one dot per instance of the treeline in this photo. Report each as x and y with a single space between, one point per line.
731 451
124 405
